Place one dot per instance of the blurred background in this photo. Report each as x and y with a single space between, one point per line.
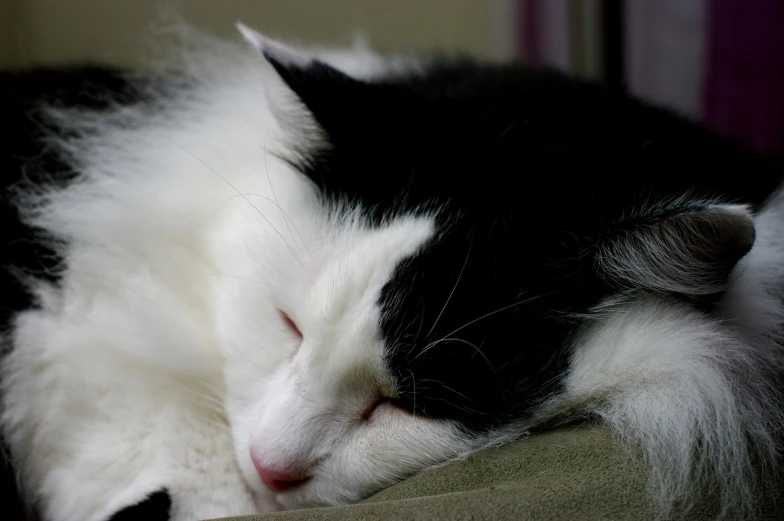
717 61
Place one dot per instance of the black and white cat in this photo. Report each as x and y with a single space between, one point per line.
288 279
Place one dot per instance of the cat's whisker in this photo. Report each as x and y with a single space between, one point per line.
421 321
413 379
251 194
286 218
240 194
239 277
459 407
519 303
411 323
477 349
460 276
442 384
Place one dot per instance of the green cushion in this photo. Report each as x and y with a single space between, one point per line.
576 472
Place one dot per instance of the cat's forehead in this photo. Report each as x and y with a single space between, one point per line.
343 314
361 257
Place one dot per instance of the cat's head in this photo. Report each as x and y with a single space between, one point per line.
472 221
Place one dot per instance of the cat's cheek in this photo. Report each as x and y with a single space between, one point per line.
391 444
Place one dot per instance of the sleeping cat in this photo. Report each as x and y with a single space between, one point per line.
273 279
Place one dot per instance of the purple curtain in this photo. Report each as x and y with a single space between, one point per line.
744 88
718 61
665 52
547 31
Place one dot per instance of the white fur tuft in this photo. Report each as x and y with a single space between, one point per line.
689 394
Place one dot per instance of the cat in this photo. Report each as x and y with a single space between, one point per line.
272 278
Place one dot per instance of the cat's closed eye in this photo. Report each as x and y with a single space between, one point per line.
387 404
291 326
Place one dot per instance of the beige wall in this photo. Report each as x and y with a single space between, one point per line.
34 32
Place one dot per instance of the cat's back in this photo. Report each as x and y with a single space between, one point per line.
25 157
45 114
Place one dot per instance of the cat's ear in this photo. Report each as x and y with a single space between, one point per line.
274 51
329 94
689 251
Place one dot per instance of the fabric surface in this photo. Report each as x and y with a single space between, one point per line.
578 472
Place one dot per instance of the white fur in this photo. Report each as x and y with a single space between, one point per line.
116 383
697 396
668 256
162 360
676 385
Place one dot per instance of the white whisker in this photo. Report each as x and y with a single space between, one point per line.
239 194
286 218
460 276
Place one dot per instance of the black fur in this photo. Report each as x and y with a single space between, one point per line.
531 172
24 157
155 507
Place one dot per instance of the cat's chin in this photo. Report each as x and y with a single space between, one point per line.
293 500
283 502
265 504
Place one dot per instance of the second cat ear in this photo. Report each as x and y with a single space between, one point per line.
690 251
328 93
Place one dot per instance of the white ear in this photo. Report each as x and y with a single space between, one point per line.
326 94
273 49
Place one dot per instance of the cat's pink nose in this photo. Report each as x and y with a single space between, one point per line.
278 480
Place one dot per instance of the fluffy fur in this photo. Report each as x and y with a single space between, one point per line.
329 265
